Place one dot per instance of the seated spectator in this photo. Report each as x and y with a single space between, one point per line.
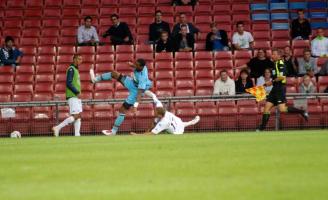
9 54
183 22
184 41
300 28
289 60
307 64
156 28
319 45
306 86
165 44
243 82
224 85
87 34
324 69
258 64
242 39
184 2
119 32
217 40
267 77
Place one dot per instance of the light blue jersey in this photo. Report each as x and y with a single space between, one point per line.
140 81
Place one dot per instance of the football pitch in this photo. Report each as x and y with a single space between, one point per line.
255 166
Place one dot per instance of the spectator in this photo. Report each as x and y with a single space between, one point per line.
119 32
156 28
324 69
289 60
264 79
307 64
10 55
307 86
258 64
224 85
217 40
319 45
242 39
87 34
243 82
301 28
165 44
184 41
183 22
184 2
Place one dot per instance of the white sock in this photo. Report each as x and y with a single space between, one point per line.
77 127
154 97
67 121
192 122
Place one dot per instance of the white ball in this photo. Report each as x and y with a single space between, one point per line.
15 134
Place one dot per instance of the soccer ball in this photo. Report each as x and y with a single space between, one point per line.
15 134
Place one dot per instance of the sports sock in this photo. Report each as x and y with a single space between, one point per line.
157 102
77 127
190 123
67 121
291 109
104 77
265 119
119 120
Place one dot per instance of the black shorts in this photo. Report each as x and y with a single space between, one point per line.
277 96
127 105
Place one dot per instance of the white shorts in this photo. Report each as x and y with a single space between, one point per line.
178 129
75 106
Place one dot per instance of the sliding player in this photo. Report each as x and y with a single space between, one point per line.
277 96
73 90
137 85
167 121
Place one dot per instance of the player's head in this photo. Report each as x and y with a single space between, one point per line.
240 27
300 14
164 36
320 32
184 30
87 21
140 63
115 19
160 112
77 59
307 54
276 54
9 41
158 16
183 18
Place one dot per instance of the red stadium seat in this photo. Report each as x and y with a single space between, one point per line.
86 50
146 11
12 23
248 117
203 10
34 32
70 23
104 50
89 11
240 8
227 118
164 56
164 66
32 23
34 3
66 50
52 13
144 48
109 3
280 44
33 13
183 56
50 23
71 12
243 54
124 57
184 74
280 35
47 50
45 69
64 59
222 8
184 64
261 27
223 64
103 58
160 75
41 78
203 55
300 43
204 64
124 49
262 45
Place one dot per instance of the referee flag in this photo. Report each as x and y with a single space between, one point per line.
258 92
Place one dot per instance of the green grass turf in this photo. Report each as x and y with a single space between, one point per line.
274 165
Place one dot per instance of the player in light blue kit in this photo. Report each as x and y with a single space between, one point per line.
137 85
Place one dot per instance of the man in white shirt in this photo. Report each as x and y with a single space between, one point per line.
242 39
87 34
319 45
224 85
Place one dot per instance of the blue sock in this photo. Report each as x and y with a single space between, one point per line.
119 120
105 77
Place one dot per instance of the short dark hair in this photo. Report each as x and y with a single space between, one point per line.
158 11
277 50
9 38
239 22
300 10
244 71
114 15
183 25
164 32
223 71
88 17
141 62
182 13
213 24
76 56
306 50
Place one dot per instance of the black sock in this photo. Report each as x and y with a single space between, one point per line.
291 109
265 119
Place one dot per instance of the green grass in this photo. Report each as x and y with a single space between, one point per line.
275 165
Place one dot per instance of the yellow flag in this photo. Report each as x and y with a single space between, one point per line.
258 91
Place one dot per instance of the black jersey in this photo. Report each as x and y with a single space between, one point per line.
279 70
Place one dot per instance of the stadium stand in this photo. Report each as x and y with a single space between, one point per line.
46 32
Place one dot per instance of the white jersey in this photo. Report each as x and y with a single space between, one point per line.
170 123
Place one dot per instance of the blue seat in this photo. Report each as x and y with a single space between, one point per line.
261 17
280 26
278 6
259 6
279 16
317 5
315 25
297 5
318 15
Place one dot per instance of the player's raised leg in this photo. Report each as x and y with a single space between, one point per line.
291 109
192 122
103 77
157 102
